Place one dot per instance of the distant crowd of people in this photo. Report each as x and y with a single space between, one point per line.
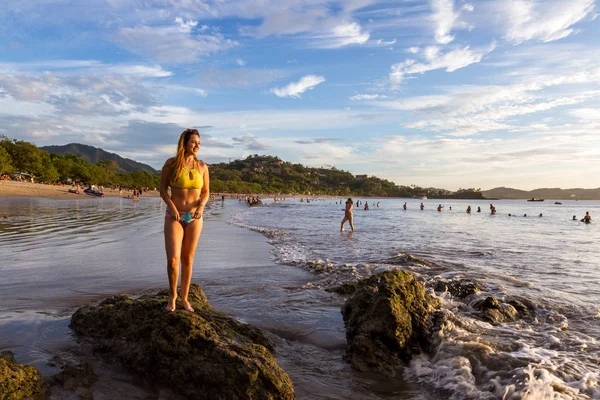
349 217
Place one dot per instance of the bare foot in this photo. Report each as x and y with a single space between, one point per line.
186 304
171 304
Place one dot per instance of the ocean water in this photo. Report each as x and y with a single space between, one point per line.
550 262
269 266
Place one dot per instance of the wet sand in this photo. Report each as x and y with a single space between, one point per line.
27 189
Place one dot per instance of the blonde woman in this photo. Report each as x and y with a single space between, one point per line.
190 190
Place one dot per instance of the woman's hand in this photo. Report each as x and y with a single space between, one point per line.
174 213
199 212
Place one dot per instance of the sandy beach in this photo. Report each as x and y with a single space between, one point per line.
27 189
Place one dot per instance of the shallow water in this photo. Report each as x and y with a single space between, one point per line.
551 261
58 255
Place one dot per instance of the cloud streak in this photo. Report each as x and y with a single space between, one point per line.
295 89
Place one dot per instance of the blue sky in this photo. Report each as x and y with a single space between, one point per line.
442 93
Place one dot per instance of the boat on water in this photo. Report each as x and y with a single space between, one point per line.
535 199
557 202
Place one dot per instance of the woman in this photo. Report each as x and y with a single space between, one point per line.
189 182
348 215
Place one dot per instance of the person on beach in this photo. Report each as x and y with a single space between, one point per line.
422 206
478 209
469 210
366 205
190 190
348 215
439 208
574 217
404 206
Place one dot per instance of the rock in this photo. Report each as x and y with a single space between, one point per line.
344 289
77 378
512 309
460 288
201 355
494 311
18 381
387 320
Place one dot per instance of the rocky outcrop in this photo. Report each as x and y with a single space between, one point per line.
460 288
77 378
201 355
387 320
495 311
18 381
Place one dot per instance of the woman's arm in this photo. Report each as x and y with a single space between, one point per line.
165 175
205 193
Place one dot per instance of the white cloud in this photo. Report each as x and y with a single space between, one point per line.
412 50
446 19
382 42
586 114
295 89
172 44
341 35
358 97
250 142
185 27
451 61
141 71
240 62
545 21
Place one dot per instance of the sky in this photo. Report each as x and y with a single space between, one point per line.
442 93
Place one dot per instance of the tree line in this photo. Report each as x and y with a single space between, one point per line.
22 156
255 174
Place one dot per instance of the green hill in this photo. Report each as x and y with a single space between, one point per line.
543 193
95 155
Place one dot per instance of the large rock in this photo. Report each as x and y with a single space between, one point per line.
202 355
18 381
387 320
496 311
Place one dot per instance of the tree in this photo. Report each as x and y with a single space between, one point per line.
5 161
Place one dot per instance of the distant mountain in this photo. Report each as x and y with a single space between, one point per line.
94 155
544 193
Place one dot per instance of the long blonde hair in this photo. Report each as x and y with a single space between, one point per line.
179 161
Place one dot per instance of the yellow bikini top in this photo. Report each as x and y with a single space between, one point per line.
188 179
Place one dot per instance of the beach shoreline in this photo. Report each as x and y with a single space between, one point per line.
58 192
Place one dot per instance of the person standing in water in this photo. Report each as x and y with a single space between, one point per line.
422 206
404 206
469 210
348 215
587 218
190 190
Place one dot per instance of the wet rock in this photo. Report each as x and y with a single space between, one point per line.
18 381
460 288
77 378
525 307
344 289
387 320
410 260
201 355
494 311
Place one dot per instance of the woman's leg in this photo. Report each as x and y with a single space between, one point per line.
351 220
173 241
343 222
190 241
